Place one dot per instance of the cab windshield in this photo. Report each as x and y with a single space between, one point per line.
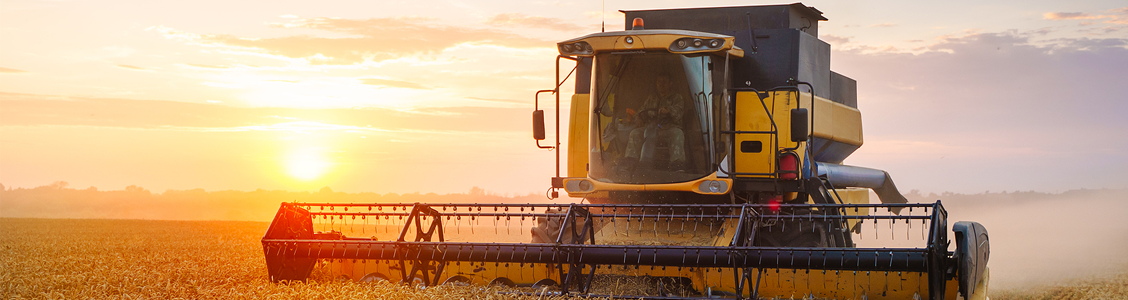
656 114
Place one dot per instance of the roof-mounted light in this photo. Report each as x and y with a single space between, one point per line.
575 48
636 24
696 44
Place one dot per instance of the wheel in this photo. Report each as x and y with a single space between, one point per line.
502 281
546 284
373 277
457 280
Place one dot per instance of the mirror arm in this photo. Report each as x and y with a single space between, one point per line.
538 131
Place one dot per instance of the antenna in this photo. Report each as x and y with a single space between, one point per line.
603 17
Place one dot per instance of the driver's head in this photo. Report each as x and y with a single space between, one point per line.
662 83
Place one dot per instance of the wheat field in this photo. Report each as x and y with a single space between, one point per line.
142 259
146 259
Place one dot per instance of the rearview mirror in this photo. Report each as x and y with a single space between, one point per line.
799 125
538 125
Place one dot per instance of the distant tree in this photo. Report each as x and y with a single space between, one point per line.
135 188
477 191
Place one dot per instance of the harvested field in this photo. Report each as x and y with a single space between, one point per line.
1109 287
141 259
145 259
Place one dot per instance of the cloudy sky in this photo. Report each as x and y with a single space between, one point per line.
435 96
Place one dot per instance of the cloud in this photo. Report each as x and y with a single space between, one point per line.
45 110
883 25
393 83
834 39
1068 16
129 67
298 126
203 66
510 101
7 70
370 40
1011 111
1043 31
610 14
1112 19
523 20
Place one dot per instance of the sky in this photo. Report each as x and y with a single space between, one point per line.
436 96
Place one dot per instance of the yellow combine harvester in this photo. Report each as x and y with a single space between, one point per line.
708 144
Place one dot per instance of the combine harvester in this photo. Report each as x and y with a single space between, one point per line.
709 148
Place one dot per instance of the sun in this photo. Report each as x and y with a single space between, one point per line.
306 164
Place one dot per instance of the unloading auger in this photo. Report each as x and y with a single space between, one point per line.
709 145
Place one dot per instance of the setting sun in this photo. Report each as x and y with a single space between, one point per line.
306 164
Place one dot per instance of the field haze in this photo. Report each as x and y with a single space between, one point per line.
1043 246
1040 239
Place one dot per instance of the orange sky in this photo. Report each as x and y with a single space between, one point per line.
436 96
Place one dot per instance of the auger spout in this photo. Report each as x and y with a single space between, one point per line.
843 176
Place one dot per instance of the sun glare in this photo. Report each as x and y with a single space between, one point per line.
306 164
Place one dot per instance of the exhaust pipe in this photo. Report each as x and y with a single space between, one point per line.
843 176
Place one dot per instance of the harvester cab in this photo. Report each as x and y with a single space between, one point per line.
708 144
679 105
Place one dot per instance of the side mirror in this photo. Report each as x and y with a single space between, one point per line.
538 125
798 125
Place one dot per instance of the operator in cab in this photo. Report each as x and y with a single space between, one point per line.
661 115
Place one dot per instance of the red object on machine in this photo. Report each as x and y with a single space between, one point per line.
788 166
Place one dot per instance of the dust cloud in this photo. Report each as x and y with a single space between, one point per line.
1039 239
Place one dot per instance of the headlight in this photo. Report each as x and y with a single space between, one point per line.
578 186
696 44
713 187
577 48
